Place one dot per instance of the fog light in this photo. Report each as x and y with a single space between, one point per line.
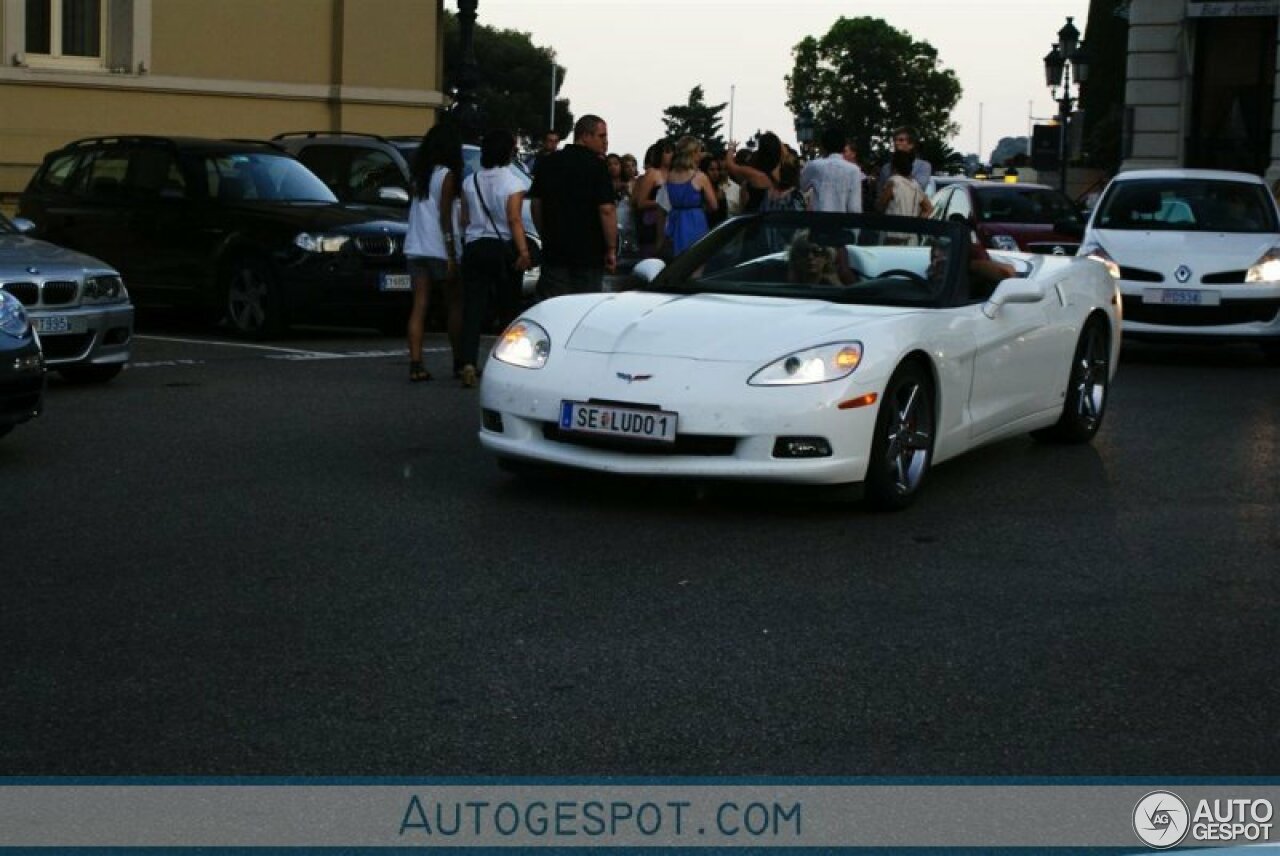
801 447
116 336
29 363
491 420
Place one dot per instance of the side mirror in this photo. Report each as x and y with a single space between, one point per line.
23 225
1013 290
648 269
397 195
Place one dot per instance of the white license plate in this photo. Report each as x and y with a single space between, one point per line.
395 282
659 425
52 324
1181 297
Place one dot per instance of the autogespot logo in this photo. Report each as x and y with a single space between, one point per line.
1160 819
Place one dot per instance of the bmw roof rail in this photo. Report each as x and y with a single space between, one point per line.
118 138
316 134
271 144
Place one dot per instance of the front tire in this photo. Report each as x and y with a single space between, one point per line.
253 301
902 448
1086 400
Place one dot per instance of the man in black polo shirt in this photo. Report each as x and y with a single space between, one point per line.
573 208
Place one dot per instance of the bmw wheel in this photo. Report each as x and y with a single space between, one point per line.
902 447
254 304
1086 400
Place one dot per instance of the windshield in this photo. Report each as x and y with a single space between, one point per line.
843 258
1188 205
263 176
1008 205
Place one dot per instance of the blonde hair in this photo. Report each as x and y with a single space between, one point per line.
686 156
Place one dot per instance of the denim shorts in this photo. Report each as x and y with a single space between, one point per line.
435 269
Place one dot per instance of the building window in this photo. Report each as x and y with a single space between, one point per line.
66 32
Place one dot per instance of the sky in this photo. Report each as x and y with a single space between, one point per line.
628 61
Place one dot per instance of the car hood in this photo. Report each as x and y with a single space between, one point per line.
717 327
18 253
323 216
1203 252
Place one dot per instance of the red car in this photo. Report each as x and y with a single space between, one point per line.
1032 218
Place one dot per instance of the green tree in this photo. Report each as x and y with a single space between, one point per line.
696 118
514 89
868 78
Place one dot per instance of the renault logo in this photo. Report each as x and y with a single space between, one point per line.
1182 274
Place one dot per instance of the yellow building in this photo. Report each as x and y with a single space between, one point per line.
211 68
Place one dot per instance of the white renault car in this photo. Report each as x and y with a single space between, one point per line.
1197 254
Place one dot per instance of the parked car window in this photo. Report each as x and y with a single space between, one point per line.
372 170
102 174
154 172
1007 205
940 203
960 205
262 176
1192 205
59 172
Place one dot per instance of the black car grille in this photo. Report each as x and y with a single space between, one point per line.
65 346
1048 249
28 293
58 293
700 445
377 245
1140 275
1226 277
1229 312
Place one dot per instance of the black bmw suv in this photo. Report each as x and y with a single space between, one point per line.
234 229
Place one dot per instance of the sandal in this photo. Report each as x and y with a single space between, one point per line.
469 375
417 372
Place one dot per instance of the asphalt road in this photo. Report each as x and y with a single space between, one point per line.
290 561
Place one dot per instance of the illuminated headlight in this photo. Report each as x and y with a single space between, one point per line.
1093 250
523 344
320 243
816 365
104 289
1003 242
1265 269
13 316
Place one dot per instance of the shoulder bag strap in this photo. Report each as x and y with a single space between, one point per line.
475 178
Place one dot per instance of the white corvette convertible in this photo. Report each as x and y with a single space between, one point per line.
808 348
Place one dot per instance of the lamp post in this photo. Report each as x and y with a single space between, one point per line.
1066 58
465 112
804 131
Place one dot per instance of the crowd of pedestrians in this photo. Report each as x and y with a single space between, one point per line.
588 205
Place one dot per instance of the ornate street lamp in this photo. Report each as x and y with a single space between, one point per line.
1066 58
804 130
465 112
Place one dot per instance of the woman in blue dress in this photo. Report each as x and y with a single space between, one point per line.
686 197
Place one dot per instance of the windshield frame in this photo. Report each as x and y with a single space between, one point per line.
1131 185
677 276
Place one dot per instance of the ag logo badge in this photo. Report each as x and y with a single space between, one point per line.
1160 819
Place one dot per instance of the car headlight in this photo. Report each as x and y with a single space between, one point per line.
320 243
1265 269
13 316
1003 242
105 288
1093 250
815 365
523 344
